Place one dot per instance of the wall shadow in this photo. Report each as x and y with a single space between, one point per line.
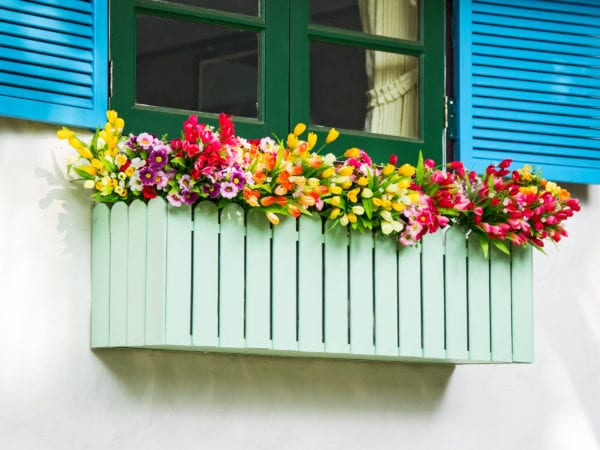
266 382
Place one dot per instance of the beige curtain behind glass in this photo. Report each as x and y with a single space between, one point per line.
392 95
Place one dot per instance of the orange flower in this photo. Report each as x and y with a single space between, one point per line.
251 197
294 211
259 177
306 200
268 200
280 190
273 218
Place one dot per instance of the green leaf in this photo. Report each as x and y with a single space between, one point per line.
368 205
501 245
420 169
83 174
109 166
485 247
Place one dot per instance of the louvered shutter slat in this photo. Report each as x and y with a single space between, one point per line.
528 84
53 61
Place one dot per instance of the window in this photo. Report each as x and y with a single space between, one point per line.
273 63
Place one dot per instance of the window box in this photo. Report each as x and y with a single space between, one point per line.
204 280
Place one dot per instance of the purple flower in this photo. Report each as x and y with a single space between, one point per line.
174 199
157 159
131 142
189 197
238 179
147 176
228 190
185 182
145 140
212 190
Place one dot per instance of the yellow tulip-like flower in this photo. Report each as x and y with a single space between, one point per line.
347 184
332 136
414 197
89 169
367 193
273 218
292 141
313 182
345 171
353 195
352 152
129 171
398 206
388 169
336 190
553 188
335 201
406 170
352 217
377 201
65 133
80 147
362 181
528 190
111 116
299 129
97 164
404 184
311 140
335 212
328 173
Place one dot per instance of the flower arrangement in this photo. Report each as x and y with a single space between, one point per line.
292 178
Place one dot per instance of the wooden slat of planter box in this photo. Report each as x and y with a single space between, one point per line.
237 284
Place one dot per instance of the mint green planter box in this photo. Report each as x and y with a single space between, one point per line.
228 281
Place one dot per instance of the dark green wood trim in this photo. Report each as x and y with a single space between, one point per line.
370 41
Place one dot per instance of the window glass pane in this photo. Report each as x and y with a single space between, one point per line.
365 90
391 18
249 7
196 66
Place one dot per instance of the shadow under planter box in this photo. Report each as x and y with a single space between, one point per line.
228 281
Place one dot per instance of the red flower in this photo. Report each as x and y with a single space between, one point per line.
148 192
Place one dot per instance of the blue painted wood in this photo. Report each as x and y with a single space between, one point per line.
178 276
136 274
336 289
284 285
362 318
205 308
231 277
386 295
514 60
522 304
409 301
432 288
70 44
100 323
455 278
258 280
310 284
156 270
118 274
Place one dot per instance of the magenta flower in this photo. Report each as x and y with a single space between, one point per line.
157 159
212 190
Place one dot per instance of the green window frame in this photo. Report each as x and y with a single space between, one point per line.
284 73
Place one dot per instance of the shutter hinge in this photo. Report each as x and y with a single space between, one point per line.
110 78
450 117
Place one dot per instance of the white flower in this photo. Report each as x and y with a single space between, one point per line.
138 163
386 215
344 220
135 184
89 184
358 210
329 159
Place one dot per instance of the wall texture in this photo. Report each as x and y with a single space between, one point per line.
55 393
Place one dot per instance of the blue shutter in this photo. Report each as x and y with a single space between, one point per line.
53 61
528 78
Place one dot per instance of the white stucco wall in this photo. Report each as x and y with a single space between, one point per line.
55 393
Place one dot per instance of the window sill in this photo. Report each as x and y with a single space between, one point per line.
223 282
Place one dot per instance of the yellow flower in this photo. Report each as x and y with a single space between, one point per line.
292 141
99 185
528 190
313 182
345 171
89 169
299 129
367 193
129 171
347 184
81 149
65 133
377 201
97 164
362 181
311 140
111 116
388 169
352 217
404 184
406 170
337 190
335 212
552 187
335 201
414 197
353 194
89 184
352 153
328 173
332 136
398 206
121 159
391 189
